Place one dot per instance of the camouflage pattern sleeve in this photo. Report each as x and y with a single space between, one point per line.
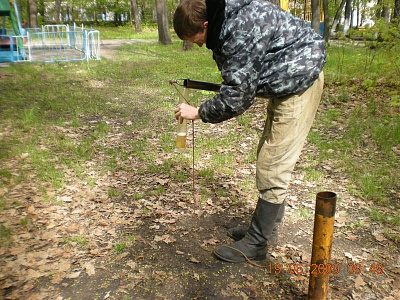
240 72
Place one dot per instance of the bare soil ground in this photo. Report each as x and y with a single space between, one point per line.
87 245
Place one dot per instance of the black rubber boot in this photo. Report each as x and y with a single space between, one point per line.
254 244
237 233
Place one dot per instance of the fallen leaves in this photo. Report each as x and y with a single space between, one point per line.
89 268
72 232
193 260
164 238
359 282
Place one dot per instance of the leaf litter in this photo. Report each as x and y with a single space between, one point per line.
86 244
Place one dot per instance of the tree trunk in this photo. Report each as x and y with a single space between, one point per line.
337 17
325 5
396 11
32 14
186 45
386 12
136 19
378 12
347 17
315 15
40 7
57 9
162 21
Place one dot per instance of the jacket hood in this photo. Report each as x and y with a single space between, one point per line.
232 6
217 12
215 18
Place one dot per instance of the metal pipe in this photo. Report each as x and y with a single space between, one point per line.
207 86
320 269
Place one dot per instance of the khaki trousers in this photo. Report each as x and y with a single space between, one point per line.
289 120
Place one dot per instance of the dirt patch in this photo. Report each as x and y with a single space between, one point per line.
108 48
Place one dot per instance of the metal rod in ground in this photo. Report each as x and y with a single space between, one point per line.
322 245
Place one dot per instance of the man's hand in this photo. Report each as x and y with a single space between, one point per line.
187 112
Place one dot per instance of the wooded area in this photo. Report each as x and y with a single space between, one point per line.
338 16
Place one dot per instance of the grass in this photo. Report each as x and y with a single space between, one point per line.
5 235
66 115
127 32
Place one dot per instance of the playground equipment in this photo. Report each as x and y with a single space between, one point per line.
51 43
11 40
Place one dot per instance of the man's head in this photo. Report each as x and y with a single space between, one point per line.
190 21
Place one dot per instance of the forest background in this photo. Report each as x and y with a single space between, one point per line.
338 16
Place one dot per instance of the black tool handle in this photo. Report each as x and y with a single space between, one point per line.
207 86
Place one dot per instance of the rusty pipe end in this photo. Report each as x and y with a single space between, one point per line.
326 204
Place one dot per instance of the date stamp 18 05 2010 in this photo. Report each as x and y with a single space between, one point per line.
350 269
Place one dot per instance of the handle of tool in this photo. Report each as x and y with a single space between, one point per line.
207 86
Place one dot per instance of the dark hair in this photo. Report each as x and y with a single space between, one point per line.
189 18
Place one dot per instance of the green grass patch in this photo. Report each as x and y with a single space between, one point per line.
5 235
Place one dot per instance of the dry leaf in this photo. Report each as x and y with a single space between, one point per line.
73 228
359 281
94 251
248 277
244 296
380 237
164 238
211 242
73 275
348 255
64 199
90 270
132 264
34 274
196 276
57 278
24 155
193 260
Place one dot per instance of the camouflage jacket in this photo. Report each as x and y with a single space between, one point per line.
258 48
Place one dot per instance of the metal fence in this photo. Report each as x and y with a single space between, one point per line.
53 43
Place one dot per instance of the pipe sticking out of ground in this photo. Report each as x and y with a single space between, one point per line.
320 268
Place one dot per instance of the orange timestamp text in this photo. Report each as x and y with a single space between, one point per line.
315 269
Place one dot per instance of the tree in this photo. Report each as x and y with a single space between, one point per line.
396 10
41 9
136 19
337 17
386 12
162 21
186 45
32 14
325 5
57 9
347 17
315 15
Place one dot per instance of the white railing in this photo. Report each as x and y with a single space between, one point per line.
93 45
53 43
